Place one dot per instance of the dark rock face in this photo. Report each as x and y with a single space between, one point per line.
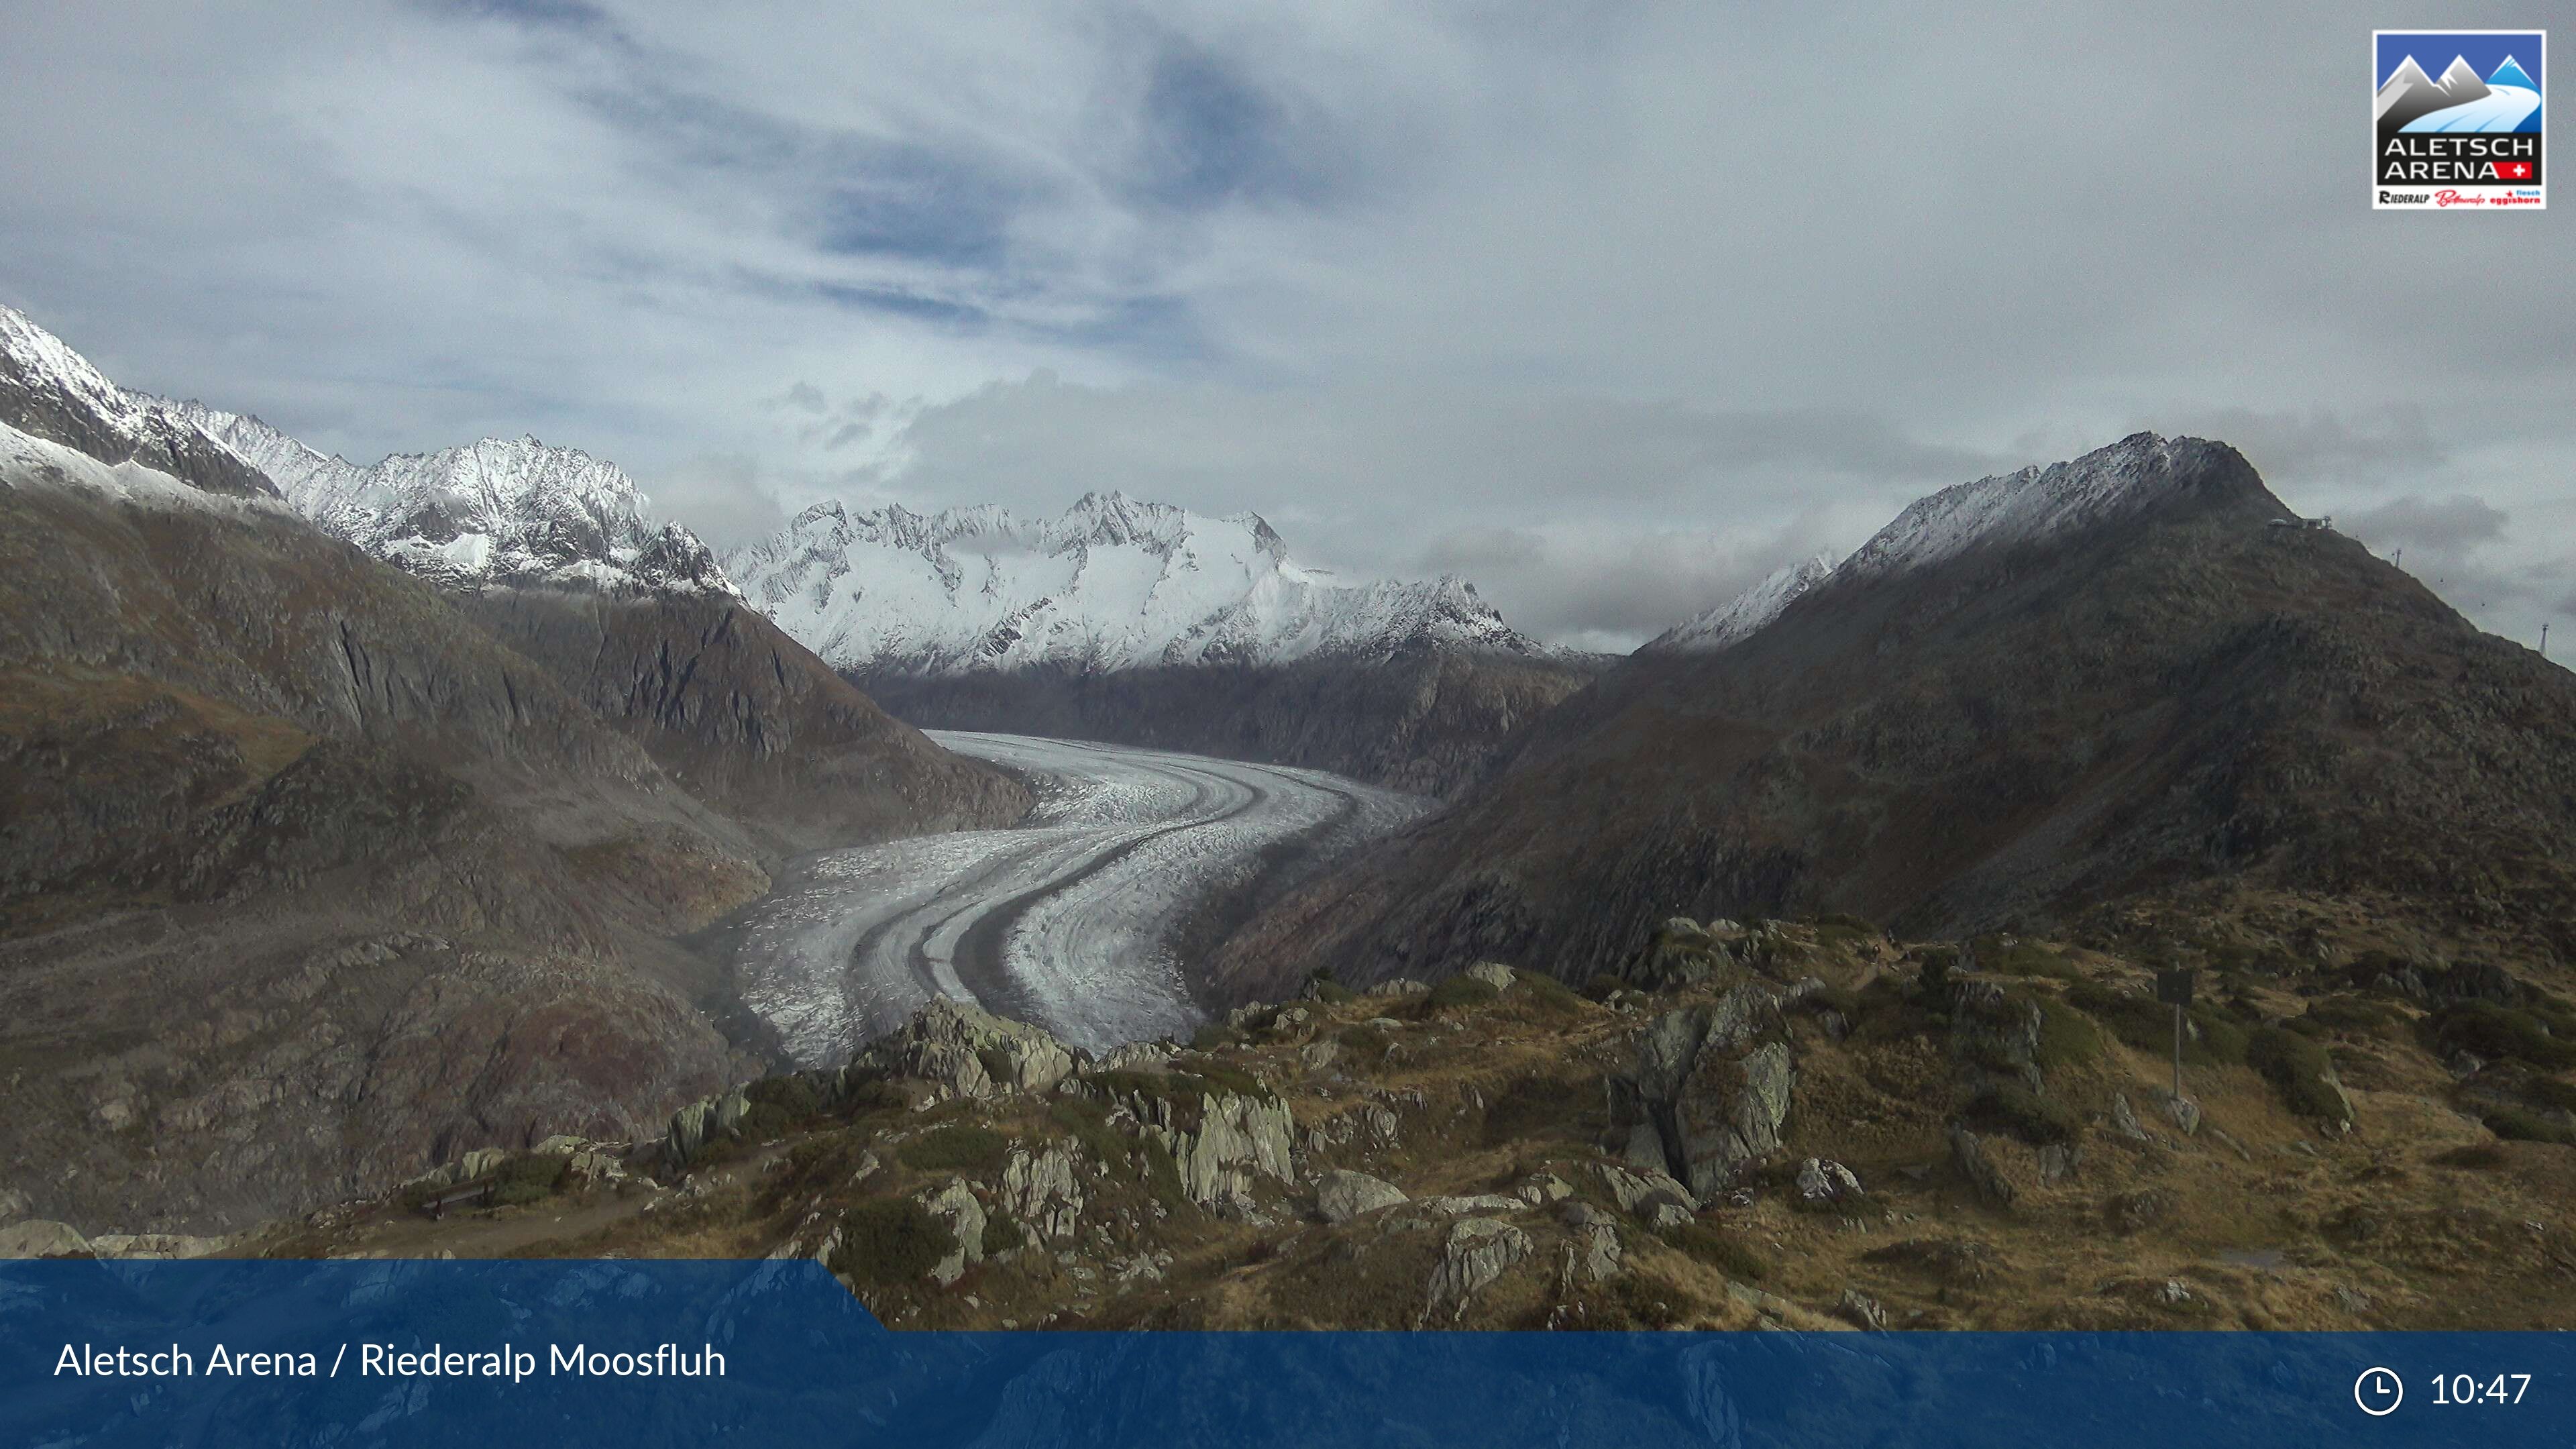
305 879
746 718
1427 721
308 882
2170 692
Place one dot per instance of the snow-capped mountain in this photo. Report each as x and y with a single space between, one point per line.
500 511
1113 584
2409 97
53 394
1738 618
2030 505
2027 506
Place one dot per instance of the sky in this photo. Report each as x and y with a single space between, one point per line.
1609 308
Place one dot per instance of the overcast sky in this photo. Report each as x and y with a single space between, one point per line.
1609 308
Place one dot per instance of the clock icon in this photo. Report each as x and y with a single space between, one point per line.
2378 1392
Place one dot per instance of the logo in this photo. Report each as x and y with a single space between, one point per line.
2465 136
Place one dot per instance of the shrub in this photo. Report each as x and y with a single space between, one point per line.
890 1241
1088 1122
876 1095
798 1097
1001 1233
532 1178
1367 1041
2027 958
1211 1037
2513 1124
1527 1107
2066 1037
2476 1157
2358 1015
962 1147
2012 1108
2146 1024
1163 1177
1601 985
1457 992
2299 1066
1321 985
1933 979
766 1122
1719 1249
2501 1032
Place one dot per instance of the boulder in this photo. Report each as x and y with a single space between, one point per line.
156 1246
1483 1202
1823 1182
40 1238
1863 1311
1041 1190
1317 1056
1493 973
1591 1255
1541 1188
2124 1119
1640 1193
688 1133
1341 1196
966 1051
1710 1089
1976 1161
2186 1113
730 1109
1400 986
1221 1142
1994 1031
955 1205
480 1161
1478 1251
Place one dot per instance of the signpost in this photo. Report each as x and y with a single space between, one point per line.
2173 988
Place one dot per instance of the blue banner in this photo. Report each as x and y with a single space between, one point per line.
636 1354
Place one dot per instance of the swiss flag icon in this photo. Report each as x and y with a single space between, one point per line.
2514 170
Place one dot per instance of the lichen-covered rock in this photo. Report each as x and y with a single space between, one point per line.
1591 1256
1731 1113
1478 1251
1042 1191
1221 1142
956 1206
1493 973
1641 1193
966 1051
1994 1031
38 1238
1341 1195
1823 1182
1541 1188
1976 1158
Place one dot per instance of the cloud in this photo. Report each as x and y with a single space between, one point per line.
2450 528
1409 280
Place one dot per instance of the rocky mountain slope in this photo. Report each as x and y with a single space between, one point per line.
503 511
2027 696
1800 1125
1146 624
413 887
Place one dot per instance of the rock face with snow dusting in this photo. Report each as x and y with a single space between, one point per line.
1147 624
2027 695
498 512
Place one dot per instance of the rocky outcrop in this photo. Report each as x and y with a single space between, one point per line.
1477 1252
1341 1195
966 1051
1709 1094
1041 1190
955 1206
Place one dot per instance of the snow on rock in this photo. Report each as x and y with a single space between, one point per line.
500 511
1740 617
2028 506
32 462
1115 583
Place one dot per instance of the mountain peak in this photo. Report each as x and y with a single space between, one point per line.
2129 478
1112 583
2511 74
